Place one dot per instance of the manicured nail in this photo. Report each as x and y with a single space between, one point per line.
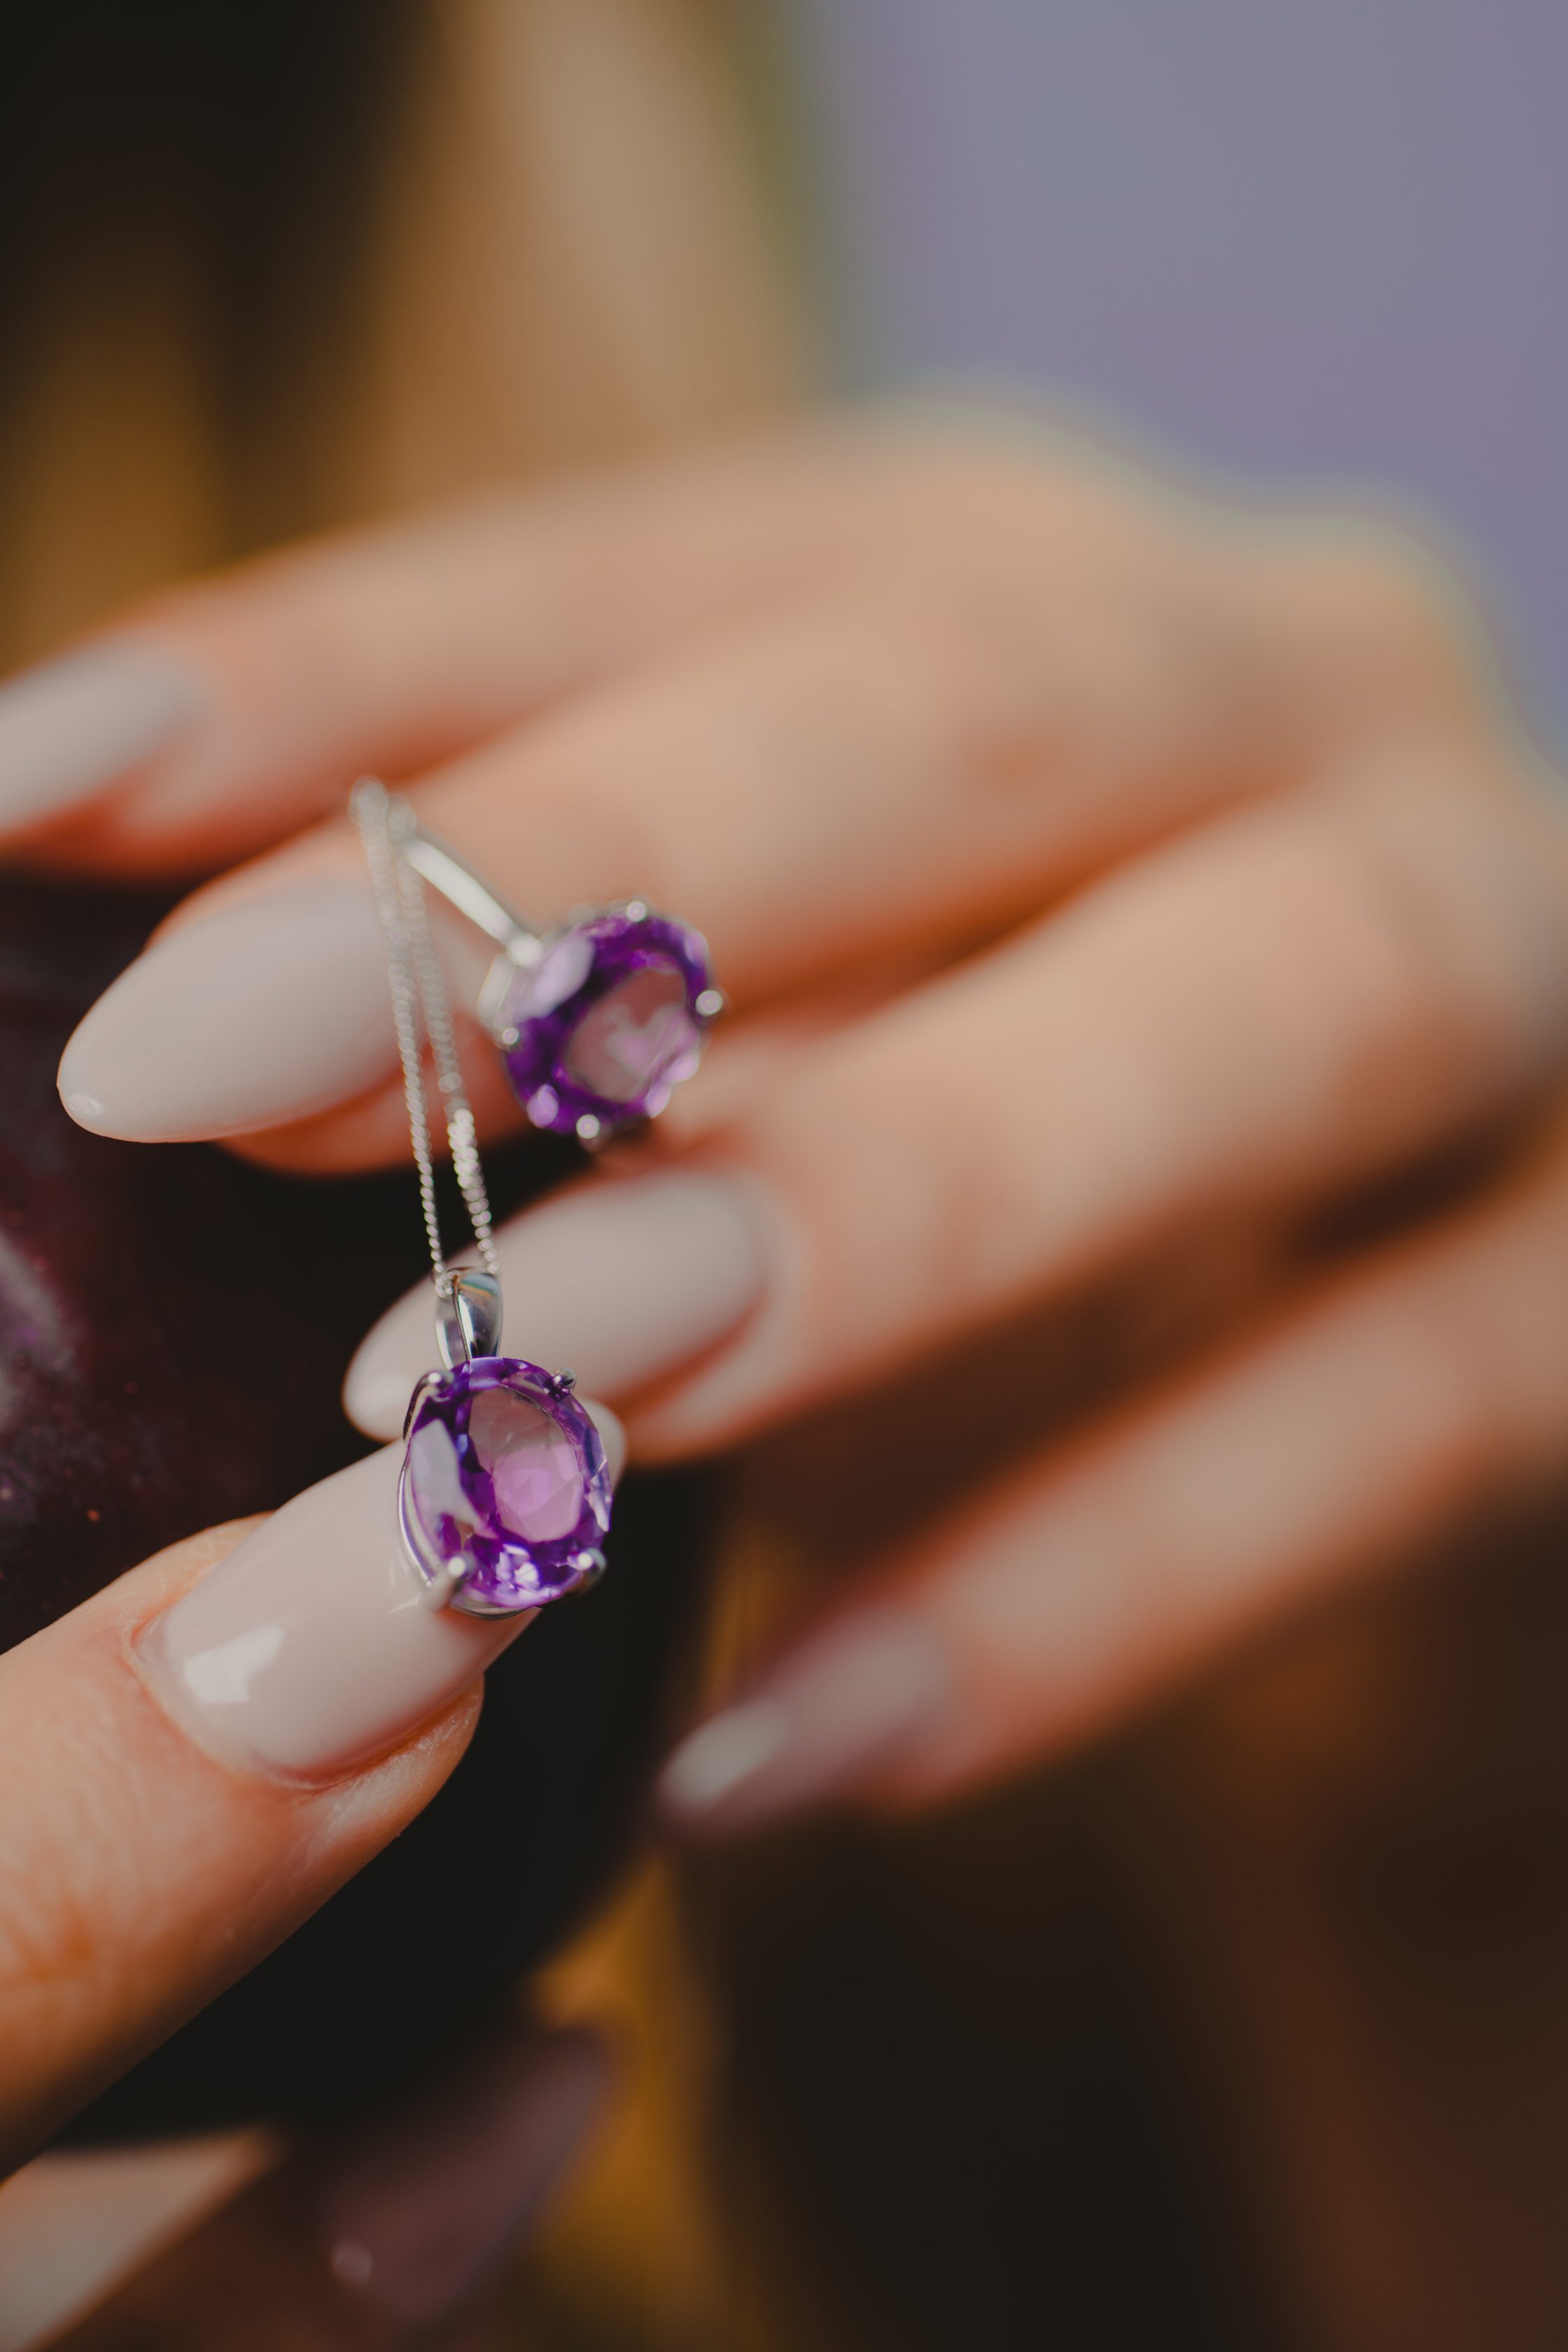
72 726
311 1649
261 1011
77 2221
829 1718
421 2213
625 1279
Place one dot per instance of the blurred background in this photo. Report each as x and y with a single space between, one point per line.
1308 243
1249 2028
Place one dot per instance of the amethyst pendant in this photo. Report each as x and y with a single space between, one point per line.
600 1028
504 1499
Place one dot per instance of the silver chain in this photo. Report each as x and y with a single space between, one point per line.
420 1011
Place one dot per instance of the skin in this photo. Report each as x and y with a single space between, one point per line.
138 1874
1095 869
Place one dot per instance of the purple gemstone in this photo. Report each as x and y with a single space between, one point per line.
608 1021
504 1473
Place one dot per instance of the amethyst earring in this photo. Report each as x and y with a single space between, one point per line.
596 1023
504 1498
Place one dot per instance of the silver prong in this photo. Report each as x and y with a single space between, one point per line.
590 1567
589 1129
443 1590
636 911
566 1380
495 993
426 1381
710 1003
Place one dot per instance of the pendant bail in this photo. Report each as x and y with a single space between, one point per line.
469 1317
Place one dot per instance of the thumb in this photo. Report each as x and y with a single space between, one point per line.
195 1760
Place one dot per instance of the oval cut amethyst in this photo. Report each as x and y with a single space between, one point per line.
505 1477
608 1021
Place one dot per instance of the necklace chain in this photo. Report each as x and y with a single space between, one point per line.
420 1013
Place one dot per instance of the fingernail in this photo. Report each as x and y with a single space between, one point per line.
71 726
822 1723
264 1010
311 1649
626 1280
420 2216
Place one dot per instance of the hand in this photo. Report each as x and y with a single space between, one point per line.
195 1760
1109 886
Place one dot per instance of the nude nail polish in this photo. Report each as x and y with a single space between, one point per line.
311 1649
820 1724
419 2212
70 727
626 1280
267 1010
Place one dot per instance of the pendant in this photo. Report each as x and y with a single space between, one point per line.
504 1498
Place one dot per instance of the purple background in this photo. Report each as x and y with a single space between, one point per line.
1323 241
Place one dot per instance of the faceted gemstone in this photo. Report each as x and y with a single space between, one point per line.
635 1035
608 1021
506 1475
532 1465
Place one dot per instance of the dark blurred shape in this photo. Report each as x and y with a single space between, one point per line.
173 1329
1245 2030
227 159
952 2109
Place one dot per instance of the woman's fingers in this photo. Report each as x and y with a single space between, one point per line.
743 1061
806 789
1299 998
1429 1382
221 715
194 1760
140 1875
904 759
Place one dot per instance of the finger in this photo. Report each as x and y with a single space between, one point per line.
899 762
1427 1384
194 1760
421 2211
1286 1004
744 1061
399 2224
222 715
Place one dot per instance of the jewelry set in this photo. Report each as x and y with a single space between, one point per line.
504 1498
